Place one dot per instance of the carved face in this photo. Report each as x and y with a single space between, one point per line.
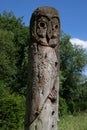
41 27
45 26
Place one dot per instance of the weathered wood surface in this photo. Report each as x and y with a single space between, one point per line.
43 82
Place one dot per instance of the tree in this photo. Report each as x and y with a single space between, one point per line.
12 107
8 22
8 68
13 63
72 61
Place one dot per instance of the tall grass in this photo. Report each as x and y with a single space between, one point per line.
77 122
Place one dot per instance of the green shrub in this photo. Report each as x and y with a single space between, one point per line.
82 105
75 107
11 110
62 107
72 107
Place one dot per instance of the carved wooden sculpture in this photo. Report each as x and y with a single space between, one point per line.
43 85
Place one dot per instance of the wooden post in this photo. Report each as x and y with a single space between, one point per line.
43 80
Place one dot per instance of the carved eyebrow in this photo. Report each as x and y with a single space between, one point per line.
43 16
55 17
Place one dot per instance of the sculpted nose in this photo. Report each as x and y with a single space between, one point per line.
49 31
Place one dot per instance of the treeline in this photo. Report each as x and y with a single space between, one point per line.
73 85
13 71
14 40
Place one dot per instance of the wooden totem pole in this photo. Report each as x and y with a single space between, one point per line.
43 79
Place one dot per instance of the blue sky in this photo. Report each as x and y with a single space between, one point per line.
73 15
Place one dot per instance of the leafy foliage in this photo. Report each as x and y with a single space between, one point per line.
72 61
63 110
7 57
11 110
14 38
13 63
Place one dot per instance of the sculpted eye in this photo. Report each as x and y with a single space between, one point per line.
56 26
43 25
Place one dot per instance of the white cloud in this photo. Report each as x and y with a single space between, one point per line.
76 41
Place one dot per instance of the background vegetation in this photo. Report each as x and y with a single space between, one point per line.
14 40
73 122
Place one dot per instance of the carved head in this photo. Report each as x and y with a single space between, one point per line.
45 26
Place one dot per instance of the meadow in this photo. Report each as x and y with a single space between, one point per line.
76 122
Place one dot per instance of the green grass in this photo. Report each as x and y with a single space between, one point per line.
78 122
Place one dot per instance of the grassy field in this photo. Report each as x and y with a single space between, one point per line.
78 122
